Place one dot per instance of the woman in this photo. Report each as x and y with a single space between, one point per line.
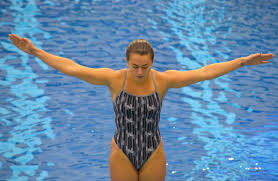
137 95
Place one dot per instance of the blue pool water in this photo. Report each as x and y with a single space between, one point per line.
57 127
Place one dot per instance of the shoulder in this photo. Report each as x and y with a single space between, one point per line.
96 76
118 74
117 78
161 76
161 82
178 79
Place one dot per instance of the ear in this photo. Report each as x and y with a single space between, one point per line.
126 60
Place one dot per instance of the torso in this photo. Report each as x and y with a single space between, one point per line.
146 89
137 110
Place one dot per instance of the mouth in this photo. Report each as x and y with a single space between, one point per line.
140 77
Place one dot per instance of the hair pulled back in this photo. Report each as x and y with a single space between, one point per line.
141 47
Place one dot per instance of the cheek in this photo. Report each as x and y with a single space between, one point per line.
133 71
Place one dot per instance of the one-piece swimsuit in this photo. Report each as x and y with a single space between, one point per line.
137 121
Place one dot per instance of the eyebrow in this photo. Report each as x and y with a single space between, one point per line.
142 65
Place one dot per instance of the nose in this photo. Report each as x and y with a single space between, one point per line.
140 71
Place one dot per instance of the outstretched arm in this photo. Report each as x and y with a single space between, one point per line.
217 69
63 65
178 79
100 76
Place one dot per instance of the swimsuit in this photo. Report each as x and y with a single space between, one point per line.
137 119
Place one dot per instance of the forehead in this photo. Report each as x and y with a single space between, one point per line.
138 59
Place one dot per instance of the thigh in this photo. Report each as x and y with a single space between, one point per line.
120 167
154 168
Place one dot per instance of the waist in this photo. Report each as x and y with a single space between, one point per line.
121 136
138 131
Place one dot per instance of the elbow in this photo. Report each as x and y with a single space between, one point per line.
210 77
207 76
71 70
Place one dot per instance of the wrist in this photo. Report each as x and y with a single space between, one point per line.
34 51
242 61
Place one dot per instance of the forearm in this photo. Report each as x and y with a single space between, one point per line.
63 65
218 69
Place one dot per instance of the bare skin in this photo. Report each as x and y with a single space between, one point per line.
139 65
139 80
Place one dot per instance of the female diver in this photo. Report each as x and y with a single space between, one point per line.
137 95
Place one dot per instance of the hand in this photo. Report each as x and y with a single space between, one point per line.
23 44
256 59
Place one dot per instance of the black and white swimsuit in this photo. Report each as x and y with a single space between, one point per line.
137 120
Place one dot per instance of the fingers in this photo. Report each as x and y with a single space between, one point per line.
14 37
262 56
267 56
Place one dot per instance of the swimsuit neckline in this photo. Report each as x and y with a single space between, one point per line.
123 90
139 95
155 91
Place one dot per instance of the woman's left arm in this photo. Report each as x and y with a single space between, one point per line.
178 79
217 69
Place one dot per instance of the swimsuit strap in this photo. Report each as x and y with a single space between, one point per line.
153 80
125 79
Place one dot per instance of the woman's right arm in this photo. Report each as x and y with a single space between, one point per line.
101 76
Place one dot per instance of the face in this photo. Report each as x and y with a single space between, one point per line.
139 66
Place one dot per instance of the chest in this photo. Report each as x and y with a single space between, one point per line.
140 91
129 105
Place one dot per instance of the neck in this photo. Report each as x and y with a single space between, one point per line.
137 81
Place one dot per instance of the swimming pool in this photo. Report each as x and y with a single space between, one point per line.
56 127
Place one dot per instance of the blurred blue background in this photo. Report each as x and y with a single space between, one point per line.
57 127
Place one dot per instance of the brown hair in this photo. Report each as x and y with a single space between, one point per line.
141 47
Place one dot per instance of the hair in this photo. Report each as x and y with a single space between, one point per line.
141 47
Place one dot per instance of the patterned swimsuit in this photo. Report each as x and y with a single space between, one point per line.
137 120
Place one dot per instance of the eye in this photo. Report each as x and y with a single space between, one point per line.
135 67
145 67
